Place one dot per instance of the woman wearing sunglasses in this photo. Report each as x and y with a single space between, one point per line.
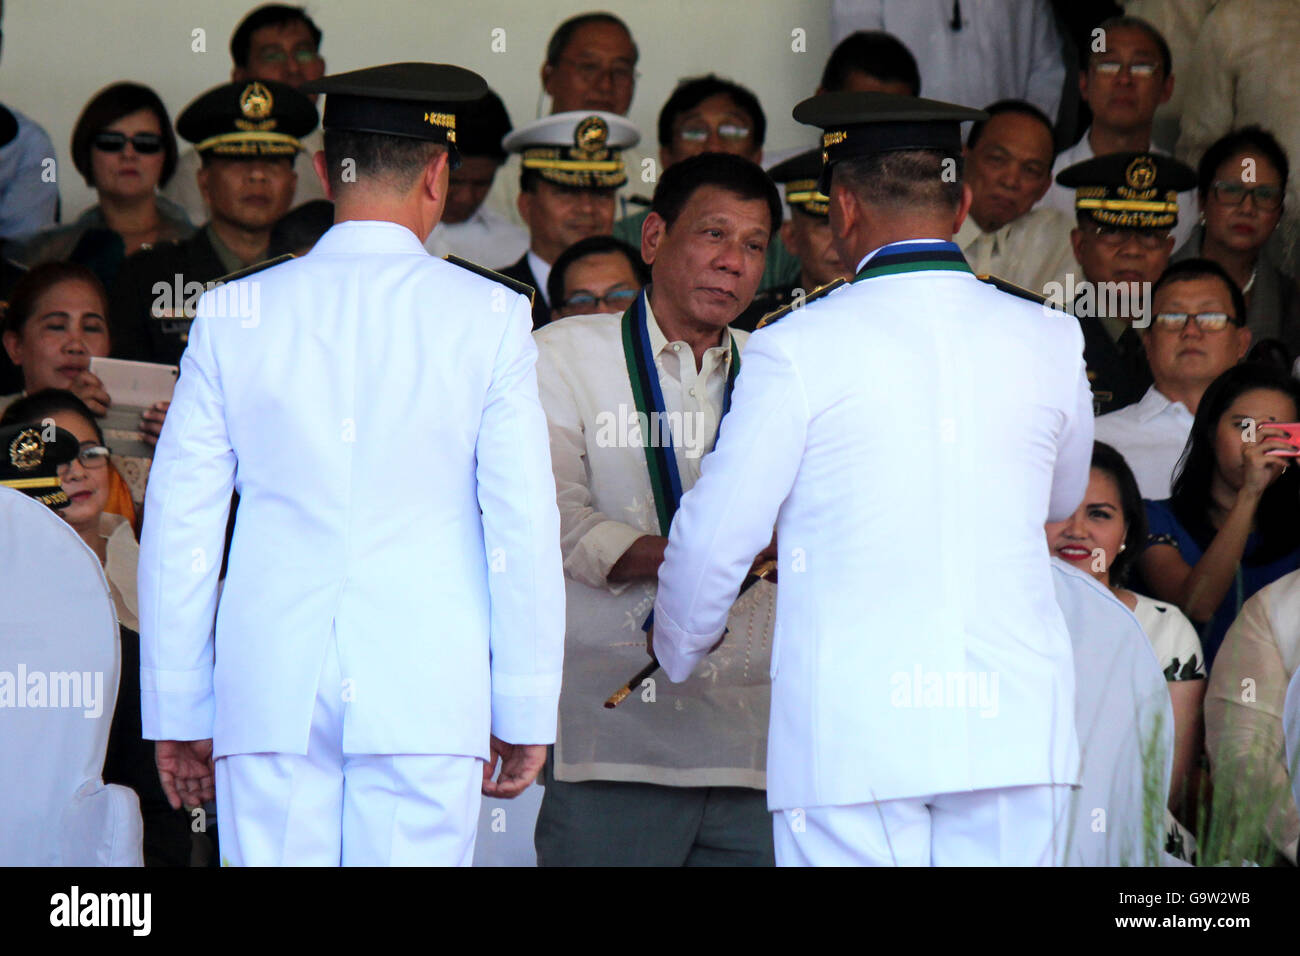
1241 182
124 148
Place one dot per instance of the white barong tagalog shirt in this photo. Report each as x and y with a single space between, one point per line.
711 730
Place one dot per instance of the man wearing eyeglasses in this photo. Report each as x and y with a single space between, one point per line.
590 66
1123 85
707 114
1126 204
1198 332
594 275
273 42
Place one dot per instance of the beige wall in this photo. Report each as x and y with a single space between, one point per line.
57 53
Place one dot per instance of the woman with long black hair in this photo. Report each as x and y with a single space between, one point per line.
1232 524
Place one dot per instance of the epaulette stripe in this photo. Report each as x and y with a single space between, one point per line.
254 268
523 288
1002 285
778 314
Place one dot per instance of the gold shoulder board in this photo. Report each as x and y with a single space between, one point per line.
778 314
523 288
254 268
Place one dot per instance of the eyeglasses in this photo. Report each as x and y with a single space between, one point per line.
1234 194
90 456
590 71
272 56
1205 321
1117 238
585 302
114 142
699 132
1139 71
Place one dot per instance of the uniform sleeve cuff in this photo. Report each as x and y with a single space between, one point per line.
176 705
678 650
525 720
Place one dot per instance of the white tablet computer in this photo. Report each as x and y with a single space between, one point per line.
133 387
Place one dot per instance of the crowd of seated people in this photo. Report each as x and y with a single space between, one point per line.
1191 518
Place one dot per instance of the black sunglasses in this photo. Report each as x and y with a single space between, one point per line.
112 142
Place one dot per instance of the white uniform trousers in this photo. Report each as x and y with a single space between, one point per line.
329 808
1013 826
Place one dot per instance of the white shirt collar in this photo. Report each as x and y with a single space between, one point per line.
1083 149
659 341
541 272
1155 403
379 236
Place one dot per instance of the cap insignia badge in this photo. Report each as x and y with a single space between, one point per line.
591 135
256 101
1141 173
26 450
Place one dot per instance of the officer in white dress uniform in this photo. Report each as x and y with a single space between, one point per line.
394 593
922 680
571 166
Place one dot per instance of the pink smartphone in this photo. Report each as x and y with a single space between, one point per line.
1292 430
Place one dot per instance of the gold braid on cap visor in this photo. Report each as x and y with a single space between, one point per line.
250 142
590 173
1153 214
804 193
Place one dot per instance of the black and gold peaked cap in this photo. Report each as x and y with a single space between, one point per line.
577 148
863 124
799 175
244 120
30 464
414 100
1129 190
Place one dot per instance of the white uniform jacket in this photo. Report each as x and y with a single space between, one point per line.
913 433
377 411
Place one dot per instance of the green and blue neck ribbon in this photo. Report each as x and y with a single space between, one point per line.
657 439
898 258
661 462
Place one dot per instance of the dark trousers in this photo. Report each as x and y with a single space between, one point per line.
607 823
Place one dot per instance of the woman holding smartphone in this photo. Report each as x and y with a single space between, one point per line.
1232 524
